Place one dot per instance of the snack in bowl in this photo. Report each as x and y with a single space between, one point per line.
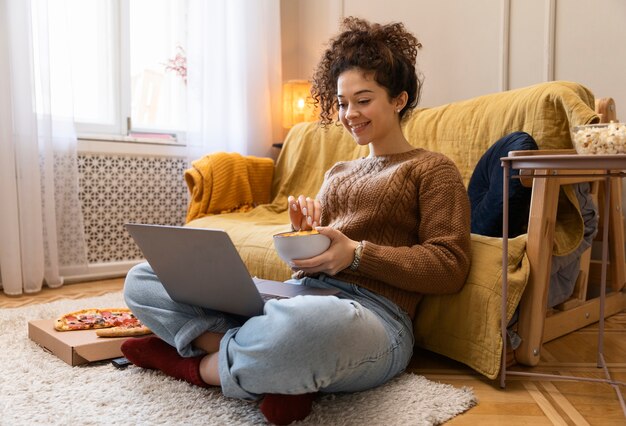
295 245
599 139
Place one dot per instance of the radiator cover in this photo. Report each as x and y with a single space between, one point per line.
116 189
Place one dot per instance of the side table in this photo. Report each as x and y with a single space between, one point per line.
611 166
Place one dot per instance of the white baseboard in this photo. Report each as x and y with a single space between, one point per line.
99 271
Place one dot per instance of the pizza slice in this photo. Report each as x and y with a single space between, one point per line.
124 331
122 319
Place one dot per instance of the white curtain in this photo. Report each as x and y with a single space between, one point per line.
41 224
234 76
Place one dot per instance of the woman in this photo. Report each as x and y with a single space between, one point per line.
399 225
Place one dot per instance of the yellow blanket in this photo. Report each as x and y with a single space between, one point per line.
227 182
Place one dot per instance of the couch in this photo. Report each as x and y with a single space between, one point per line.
464 326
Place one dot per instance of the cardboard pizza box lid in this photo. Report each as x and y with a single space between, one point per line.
74 347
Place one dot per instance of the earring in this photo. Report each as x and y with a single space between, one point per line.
398 110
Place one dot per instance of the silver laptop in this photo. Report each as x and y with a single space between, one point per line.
202 267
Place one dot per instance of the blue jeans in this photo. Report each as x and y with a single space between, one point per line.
350 342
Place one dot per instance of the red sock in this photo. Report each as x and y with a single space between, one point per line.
284 409
153 353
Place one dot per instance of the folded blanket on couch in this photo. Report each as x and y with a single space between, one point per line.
226 182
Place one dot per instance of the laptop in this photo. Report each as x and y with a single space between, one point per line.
202 267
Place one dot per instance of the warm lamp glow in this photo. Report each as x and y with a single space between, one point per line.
297 103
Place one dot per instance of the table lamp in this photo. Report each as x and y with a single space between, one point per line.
297 103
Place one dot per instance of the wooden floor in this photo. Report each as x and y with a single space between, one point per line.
525 401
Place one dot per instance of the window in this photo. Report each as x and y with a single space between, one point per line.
119 54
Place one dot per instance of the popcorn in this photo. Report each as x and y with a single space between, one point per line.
600 138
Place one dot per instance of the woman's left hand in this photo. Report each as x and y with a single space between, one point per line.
336 258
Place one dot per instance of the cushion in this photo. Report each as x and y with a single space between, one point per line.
465 326
485 189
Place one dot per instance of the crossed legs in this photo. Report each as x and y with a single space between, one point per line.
298 347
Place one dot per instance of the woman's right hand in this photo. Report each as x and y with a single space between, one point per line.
304 212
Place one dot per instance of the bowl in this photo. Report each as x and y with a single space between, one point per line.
601 139
300 244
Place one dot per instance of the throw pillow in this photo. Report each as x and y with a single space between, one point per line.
465 326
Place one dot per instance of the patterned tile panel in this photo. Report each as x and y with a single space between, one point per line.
116 189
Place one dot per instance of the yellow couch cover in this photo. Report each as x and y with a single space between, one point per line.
463 131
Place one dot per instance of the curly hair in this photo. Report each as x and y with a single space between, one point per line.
388 51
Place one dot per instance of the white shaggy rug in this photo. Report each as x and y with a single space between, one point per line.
37 388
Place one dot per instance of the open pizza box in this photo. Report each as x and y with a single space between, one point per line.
74 347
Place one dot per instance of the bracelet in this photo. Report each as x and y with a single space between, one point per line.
357 257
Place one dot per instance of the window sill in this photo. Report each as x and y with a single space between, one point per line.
118 144
157 140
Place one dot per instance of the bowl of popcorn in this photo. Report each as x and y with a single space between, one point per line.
599 139
300 244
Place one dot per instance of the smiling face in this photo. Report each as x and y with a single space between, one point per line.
368 113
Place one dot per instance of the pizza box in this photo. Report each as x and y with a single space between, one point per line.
74 347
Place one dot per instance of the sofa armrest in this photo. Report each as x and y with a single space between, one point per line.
226 182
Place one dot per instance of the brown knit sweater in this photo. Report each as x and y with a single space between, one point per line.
412 212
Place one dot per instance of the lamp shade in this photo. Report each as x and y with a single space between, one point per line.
297 103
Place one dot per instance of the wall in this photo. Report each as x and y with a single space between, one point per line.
306 26
480 46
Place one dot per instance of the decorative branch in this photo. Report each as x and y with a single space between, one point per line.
178 63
